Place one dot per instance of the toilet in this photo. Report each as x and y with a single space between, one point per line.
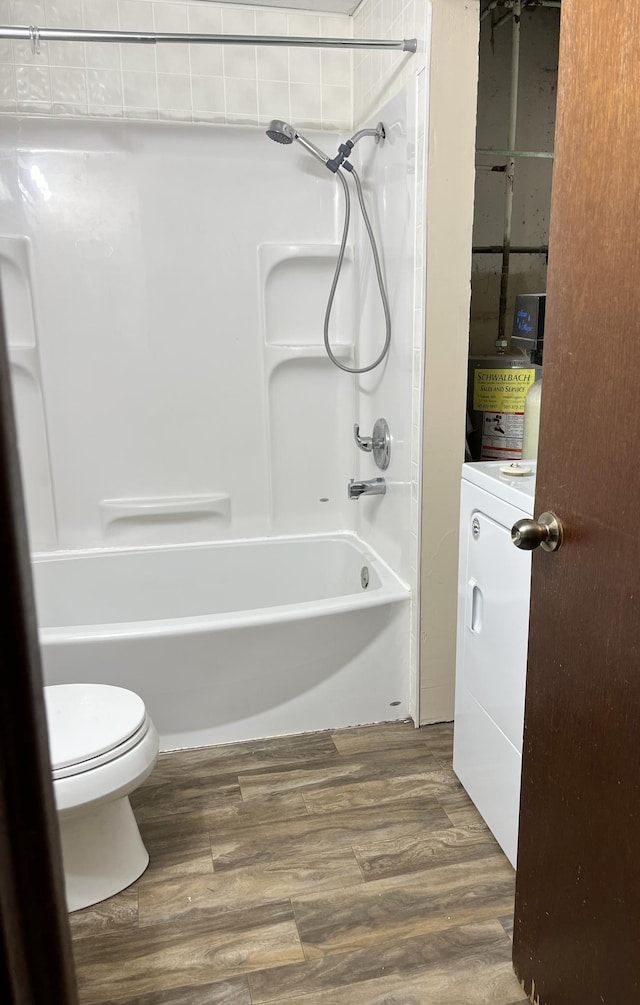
102 745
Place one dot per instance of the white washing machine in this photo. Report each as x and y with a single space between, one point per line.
493 626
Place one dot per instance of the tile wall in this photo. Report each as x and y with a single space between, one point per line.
226 84
377 75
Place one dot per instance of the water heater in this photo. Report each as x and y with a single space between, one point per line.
498 385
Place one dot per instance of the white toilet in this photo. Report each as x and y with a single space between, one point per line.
102 745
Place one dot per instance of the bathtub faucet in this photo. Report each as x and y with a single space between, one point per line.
370 487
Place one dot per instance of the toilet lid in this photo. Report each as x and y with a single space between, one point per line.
86 720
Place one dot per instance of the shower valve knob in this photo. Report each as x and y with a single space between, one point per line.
379 444
364 442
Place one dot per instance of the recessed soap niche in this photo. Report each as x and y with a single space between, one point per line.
295 280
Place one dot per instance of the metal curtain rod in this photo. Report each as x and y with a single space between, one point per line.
35 35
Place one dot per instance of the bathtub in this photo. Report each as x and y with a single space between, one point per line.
232 641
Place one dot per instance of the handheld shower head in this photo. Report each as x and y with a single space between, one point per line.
281 132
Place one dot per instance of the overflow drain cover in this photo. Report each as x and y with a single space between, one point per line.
364 577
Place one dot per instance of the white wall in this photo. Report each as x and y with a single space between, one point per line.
450 178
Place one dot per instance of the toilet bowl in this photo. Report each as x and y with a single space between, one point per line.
102 745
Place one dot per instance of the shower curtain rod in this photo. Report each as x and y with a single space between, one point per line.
35 35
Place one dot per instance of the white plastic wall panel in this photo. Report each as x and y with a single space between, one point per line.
145 269
388 173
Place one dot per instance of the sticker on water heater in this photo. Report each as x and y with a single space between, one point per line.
501 436
501 389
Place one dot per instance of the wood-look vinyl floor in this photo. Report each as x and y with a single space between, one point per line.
335 868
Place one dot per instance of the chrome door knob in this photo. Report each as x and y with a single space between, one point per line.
545 533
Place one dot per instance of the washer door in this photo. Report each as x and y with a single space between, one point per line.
495 634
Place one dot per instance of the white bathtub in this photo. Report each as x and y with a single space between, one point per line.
232 641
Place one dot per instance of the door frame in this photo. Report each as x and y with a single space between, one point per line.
36 963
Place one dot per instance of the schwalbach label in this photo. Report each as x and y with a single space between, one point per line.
501 390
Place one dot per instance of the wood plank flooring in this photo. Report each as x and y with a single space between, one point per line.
335 868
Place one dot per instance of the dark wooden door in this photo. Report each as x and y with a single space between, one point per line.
36 966
577 923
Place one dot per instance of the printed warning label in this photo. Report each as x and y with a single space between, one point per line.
501 390
501 436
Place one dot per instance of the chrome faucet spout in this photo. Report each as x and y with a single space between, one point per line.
369 487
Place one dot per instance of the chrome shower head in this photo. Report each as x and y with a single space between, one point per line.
281 132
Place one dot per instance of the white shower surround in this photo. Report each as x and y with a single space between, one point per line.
243 428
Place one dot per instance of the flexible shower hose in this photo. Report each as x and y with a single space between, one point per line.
336 277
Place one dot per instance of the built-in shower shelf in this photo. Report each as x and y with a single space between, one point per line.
25 358
113 511
277 355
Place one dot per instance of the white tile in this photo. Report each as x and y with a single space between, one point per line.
306 103
171 57
205 19
239 119
22 53
6 53
336 67
304 66
68 85
140 90
7 83
208 94
69 110
174 91
33 84
101 14
238 22
63 13
218 118
34 107
143 114
273 100
336 27
336 107
107 111
206 60
27 12
136 15
104 55
241 96
170 16
273 63
104 88
175 114
270 22
240 61
303 24
68 53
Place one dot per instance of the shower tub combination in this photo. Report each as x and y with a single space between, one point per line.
232 641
